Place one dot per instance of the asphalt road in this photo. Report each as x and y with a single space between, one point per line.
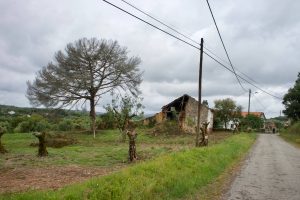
271 171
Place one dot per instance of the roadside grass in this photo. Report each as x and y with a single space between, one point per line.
105 150
292 134
169 176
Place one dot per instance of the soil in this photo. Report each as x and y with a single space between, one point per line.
23 179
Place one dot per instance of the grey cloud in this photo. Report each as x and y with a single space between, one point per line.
262 38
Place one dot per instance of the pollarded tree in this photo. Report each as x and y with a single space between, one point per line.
87 69
291 101
124 108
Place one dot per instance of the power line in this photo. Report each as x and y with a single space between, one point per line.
262 106
229 64
159 21
224 46
182 34
198 48
227 68
152 25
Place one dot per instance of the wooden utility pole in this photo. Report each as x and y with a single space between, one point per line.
249 101
199 95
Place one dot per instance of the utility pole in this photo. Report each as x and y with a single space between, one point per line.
249 101
199 94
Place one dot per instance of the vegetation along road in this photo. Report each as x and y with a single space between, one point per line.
272 171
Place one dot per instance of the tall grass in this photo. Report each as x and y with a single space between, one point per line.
292 134
169 176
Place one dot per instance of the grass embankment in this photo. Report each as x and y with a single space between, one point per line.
171 176
292 134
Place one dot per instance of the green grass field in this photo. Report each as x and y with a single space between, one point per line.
105 150
174 174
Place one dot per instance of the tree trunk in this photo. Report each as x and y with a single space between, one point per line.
204 141
2 149
124 129
236 128
132 135
93 116
42 144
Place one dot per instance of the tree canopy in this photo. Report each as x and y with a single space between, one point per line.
227 110
252 121
87 69
291 101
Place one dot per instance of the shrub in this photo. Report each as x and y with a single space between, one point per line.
106 121
294 129
23 127
65 125
42 126
5 126
33 123
251 121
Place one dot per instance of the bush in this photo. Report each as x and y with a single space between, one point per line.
31 124
168 128
5 126
23 127
81 123
42 126
251 121
106 121
17 120
65 125
294 129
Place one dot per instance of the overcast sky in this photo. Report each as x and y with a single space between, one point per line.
262 38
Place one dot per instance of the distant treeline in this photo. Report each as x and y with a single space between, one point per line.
22 120
8 111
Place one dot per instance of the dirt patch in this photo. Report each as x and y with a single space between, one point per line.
23 179
167 128
57 141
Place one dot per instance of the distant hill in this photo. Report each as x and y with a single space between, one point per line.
6 110
280 118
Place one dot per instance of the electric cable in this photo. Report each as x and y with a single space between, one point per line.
198 48
224 46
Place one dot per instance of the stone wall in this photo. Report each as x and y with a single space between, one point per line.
187 118
191 114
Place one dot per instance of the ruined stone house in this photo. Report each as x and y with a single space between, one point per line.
184 110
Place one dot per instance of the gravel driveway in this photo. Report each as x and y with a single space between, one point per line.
272 171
